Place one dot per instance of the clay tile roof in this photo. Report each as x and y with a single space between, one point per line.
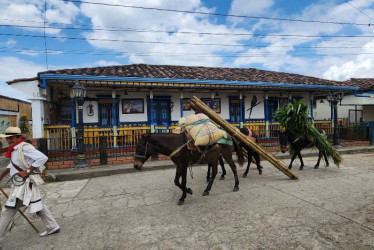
365 84
195 72
207 73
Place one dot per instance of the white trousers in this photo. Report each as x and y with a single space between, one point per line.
8 214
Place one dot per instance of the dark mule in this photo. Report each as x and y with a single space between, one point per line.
251 154
166 144
298 144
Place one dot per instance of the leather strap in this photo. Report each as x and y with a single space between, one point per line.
16 167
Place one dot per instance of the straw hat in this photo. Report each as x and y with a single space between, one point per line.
11 131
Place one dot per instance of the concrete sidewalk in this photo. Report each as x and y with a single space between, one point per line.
106 170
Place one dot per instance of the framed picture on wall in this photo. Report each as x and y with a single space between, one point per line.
186 104
216 105
132 106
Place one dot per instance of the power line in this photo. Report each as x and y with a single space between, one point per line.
173 43
184 32
155 53
348 2
217 14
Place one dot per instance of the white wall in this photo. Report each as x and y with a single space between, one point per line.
368 115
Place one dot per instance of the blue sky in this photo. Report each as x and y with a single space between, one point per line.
330 39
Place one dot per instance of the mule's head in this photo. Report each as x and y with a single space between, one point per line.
143 151
283 140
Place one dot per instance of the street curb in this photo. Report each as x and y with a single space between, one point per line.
107 170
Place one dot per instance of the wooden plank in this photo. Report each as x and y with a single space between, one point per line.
199 106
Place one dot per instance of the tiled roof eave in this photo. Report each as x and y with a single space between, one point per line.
108 80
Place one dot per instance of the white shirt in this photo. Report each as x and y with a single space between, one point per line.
33 158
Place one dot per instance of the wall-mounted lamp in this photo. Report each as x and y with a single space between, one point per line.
216 94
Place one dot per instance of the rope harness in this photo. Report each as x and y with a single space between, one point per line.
145 152
179 149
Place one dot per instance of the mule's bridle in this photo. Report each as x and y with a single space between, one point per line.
145 152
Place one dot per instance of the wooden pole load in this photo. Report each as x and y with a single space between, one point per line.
199 106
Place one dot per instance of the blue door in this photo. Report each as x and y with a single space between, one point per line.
161 111
234 106
272 107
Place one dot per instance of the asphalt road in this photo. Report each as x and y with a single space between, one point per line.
327 208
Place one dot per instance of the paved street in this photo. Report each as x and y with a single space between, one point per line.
328 208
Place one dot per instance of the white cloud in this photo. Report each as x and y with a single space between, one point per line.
163 46
250 7
13 68
31 13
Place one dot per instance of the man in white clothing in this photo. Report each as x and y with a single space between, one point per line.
25 161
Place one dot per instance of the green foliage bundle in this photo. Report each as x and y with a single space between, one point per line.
294 118
24 124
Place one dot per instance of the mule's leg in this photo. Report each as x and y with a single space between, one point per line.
208 173
212 177
230 161
257 159
319 159
292 159
326 158
301 161
182 173
223 168
248 165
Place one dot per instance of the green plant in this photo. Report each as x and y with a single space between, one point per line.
24 124
294 117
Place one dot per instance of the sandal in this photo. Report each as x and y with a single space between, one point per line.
50 231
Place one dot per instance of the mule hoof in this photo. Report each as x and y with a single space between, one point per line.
235 189
315 167
289 167
189 191
138 167
205 193
301 168
180 202
244 176
260 172
222 178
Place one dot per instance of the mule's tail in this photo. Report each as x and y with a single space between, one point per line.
239 151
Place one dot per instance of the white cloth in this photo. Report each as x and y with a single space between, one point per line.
33 158
30 196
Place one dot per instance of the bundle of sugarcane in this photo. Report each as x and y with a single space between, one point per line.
294 117
199 106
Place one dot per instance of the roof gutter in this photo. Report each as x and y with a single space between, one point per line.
369 95
45 77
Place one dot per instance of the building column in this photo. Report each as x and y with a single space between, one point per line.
212 100
114 118
241 109
266 107
37 104
151 111
73 131
312 108
181 103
